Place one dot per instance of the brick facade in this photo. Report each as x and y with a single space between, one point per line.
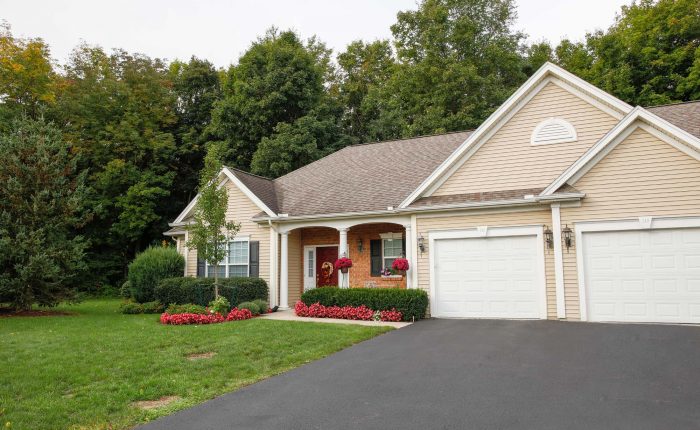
360 274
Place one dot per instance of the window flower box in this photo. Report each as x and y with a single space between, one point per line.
392 276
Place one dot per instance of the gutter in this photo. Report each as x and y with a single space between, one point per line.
528 200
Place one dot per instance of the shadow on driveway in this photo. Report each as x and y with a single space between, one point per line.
480 374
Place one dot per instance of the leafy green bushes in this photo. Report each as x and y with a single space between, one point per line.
154 307
220 305
150 267
262 304
200 291
252 307
186 309
411 303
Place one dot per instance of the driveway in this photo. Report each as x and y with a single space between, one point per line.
479 374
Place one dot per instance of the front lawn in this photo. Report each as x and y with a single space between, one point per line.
85 371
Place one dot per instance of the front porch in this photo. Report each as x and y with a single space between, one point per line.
308 253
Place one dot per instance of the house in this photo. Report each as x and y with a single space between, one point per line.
566 203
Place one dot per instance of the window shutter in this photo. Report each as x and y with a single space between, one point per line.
403 246
375 252
200 268
254 259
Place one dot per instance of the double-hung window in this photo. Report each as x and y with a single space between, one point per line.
236 264
392 248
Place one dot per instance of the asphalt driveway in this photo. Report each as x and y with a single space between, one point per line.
479 374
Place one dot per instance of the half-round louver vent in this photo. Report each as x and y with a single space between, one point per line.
553 130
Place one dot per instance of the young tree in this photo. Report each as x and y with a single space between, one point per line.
41 205
209 231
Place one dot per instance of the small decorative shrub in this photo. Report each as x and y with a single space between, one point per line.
200 291
254 308
150 267
410 303
154 307
125 290
186 309
219 305
239 314
262 305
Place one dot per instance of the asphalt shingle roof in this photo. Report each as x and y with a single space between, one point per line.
682 115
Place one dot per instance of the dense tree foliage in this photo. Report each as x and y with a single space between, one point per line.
41 208
139 127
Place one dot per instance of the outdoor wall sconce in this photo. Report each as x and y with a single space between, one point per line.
549 237
421 244
359 245
568 236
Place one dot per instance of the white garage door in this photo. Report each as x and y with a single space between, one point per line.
643 276
495 277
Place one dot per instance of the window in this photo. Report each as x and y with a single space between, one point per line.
235 264
391 250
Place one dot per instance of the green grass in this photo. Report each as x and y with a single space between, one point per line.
85 371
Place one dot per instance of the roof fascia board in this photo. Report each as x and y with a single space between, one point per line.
255 199
638 118
190 206
495 118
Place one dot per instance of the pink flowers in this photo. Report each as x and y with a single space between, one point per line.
400 264
343 263
362 313
209 318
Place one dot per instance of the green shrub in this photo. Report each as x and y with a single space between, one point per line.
262 304
200 291
188 308
125 290
411 303
220 305
252 307
131 308
150 267
154 307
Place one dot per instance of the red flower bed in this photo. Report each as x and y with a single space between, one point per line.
343 263
362 313
400 264
187 319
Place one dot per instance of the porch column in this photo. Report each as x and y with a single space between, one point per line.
343 251
284 272
558 262
409 255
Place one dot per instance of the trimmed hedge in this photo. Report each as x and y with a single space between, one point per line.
411 303
200 291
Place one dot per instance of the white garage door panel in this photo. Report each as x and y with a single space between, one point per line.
495 277
643 275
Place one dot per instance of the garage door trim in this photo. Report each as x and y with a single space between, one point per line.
639 223
485 232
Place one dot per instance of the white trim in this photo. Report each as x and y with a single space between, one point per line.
637 118
255 199
284 270
274 296
536 139
186 250
226 263
345 222
413 270
533 82
643 222
529 230
190 205
391 235
558 261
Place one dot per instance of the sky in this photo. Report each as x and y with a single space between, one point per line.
221 31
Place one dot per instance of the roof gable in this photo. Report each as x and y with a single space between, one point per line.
637 118
548 73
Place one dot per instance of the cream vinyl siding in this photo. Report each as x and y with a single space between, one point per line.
241 209
493 219
508 161
295 266
642 176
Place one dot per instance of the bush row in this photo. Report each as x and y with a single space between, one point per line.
149 267
411 303
200 291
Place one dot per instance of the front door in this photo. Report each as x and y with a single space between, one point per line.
325 270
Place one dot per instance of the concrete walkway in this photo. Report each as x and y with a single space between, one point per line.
289 315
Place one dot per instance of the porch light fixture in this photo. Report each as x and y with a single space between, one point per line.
421 244
549 237
568 235
359 245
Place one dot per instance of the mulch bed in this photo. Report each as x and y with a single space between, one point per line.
8 313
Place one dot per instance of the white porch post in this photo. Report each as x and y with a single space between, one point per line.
343 251
558 262
409 255
274 278
284 272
